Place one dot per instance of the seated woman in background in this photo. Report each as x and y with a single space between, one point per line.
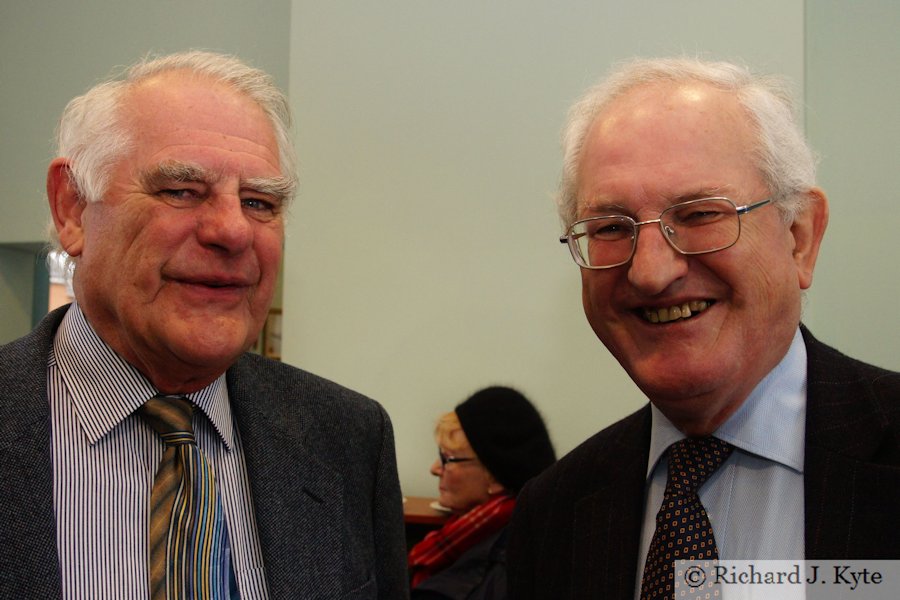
489 447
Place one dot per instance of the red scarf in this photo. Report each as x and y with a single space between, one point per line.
442 547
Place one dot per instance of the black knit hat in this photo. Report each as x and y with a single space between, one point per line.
508 435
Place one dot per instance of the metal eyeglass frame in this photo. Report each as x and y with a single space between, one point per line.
739 210
452 459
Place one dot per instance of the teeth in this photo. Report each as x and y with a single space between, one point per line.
674 313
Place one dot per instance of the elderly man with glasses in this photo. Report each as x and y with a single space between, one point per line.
690 206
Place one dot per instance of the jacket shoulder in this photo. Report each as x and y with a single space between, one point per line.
287 391
593 494
829 366
605 452
334 422
23 377
853 407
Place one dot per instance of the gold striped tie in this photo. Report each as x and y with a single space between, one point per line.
186 534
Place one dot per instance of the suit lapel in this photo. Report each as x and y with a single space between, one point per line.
851 495
294 494
607 524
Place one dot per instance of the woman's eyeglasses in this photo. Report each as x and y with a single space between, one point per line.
452 459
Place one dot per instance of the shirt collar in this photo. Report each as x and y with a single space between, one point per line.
106 389
771 422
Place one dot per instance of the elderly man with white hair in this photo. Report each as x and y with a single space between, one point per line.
689 204
144 453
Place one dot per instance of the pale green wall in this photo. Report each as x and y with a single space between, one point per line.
422 254
853 120
16 292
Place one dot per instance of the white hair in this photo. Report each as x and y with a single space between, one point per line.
783 157
92 134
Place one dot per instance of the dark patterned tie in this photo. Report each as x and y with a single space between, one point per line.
683 531
186 533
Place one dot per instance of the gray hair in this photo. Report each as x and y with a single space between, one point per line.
93 136
783 157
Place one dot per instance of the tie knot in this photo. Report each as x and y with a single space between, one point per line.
170 417
693 460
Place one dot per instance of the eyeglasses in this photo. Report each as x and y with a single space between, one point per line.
692 227
452 459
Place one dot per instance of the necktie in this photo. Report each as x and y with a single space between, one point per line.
186 533
683 531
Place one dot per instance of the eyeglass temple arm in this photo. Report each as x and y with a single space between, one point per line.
745 209
564 239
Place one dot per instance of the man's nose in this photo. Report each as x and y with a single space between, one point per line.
655 264
224 224
437 468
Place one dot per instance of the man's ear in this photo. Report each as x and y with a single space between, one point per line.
808 229
66 206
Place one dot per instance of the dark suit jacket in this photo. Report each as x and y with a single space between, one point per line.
322 469
576 529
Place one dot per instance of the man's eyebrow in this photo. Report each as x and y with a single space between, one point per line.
167 172
710 192
603 208
277 187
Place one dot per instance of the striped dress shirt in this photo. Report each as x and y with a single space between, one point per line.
104 461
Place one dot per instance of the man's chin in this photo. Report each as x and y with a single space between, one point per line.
672 380
210 348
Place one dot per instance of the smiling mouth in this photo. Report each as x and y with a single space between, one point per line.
214 283
219 285
678 312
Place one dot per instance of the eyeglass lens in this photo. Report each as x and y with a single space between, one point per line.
693 227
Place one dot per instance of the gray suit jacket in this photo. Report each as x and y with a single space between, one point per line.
576 529
322 469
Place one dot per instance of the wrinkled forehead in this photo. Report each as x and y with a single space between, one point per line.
182 108
179 101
